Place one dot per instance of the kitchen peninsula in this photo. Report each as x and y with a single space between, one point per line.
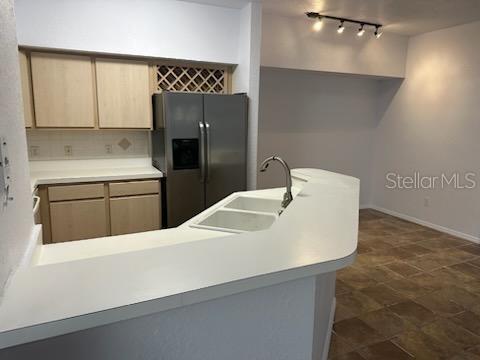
258 283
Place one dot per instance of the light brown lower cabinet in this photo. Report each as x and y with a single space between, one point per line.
79 219
134 214
92 210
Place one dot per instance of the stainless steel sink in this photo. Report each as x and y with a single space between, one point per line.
236 221
255 204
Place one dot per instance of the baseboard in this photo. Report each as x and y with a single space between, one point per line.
428 224
365 206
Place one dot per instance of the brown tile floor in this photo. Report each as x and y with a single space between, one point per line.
413 292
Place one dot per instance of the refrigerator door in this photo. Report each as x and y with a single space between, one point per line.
183 114
225 119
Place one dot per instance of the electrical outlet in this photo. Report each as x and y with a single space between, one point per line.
426 202
34 151
108 149
68 150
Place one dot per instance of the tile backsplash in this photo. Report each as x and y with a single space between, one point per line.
87 144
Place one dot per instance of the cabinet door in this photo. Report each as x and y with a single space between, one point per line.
76 220
63 89
134 214
123 91
26 89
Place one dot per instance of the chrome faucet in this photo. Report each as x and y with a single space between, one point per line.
287 197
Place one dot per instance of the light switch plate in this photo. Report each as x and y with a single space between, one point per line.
4 168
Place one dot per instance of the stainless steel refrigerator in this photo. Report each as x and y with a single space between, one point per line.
199 143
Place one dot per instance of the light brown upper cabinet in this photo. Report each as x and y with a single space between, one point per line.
123 91
26 89
64 90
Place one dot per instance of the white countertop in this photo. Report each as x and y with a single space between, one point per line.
317 233
85 249
74 171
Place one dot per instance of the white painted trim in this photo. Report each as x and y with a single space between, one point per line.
428 224
326 345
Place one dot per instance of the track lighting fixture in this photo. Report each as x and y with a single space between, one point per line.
361 31
319 18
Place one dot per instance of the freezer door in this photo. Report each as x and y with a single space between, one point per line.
185 183
225 119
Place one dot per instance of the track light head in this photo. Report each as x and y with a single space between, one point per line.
361 31
317 26
378 32
341 27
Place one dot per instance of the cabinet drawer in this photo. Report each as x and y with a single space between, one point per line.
134 188
76 192
135 214
76 220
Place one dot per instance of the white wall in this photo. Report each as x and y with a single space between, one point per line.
314 119
432 125
157 28
291 43
16 219
246 78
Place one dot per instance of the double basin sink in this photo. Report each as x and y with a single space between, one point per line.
242 214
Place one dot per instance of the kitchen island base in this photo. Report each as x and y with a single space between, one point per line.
290 321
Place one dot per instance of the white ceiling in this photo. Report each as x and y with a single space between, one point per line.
408 17
235 4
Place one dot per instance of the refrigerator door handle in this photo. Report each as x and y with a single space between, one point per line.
201 127
207 158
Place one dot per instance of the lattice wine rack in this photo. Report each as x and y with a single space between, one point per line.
191 79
